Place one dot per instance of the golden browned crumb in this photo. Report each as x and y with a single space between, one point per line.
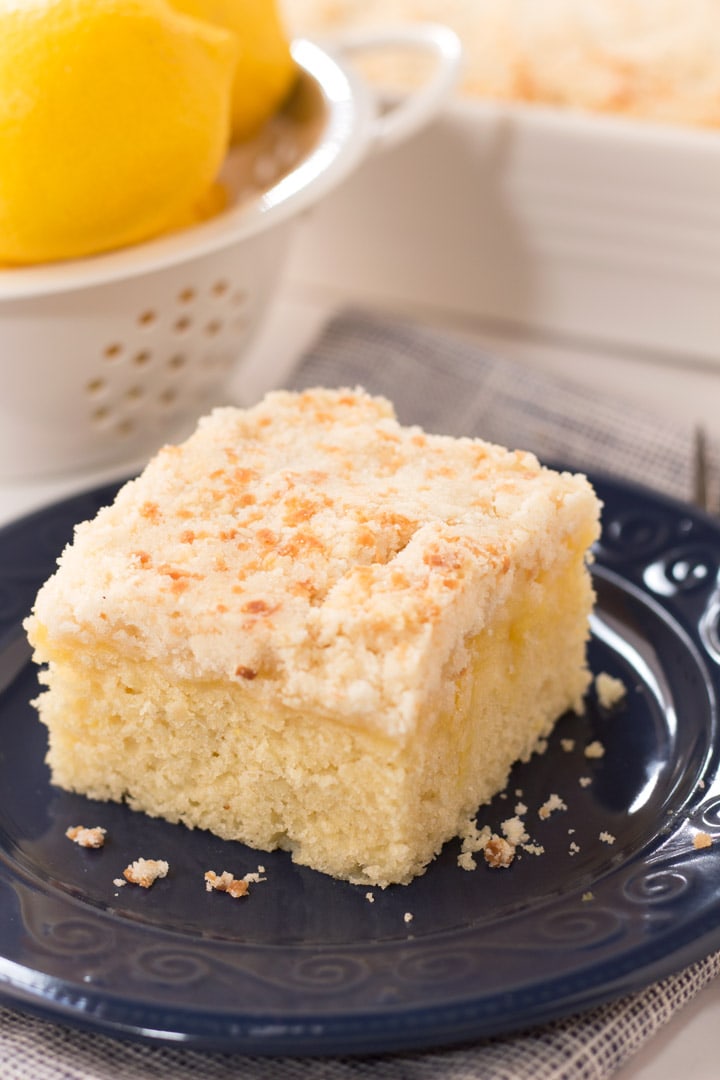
595 749
499 852
702 840
225 882
145 872
610 691
88 838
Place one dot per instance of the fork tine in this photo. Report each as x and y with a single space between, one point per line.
700 469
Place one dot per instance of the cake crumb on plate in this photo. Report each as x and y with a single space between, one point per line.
254 876
702 840
87 837
225 882
145 872
610 691
513 829
499 852
534 849
552 804
595 749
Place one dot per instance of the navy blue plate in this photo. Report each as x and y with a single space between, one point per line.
309 965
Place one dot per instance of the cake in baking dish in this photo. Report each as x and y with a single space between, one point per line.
654 60
309 627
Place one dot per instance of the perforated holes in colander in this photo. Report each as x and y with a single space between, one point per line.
224 331
168 357
116 394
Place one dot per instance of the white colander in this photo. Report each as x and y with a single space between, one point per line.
103 359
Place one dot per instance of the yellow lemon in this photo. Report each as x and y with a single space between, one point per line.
114 120
265 70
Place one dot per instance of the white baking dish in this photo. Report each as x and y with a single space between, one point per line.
556 222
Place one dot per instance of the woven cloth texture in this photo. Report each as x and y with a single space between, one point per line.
448 385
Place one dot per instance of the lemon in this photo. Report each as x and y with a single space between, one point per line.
114 120
265 69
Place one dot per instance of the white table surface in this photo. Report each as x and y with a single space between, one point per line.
689 1046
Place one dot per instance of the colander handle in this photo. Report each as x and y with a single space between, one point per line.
416 109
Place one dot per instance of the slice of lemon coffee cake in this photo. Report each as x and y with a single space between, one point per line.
312 628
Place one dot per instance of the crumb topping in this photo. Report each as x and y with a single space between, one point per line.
87 837
145 872
311 549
